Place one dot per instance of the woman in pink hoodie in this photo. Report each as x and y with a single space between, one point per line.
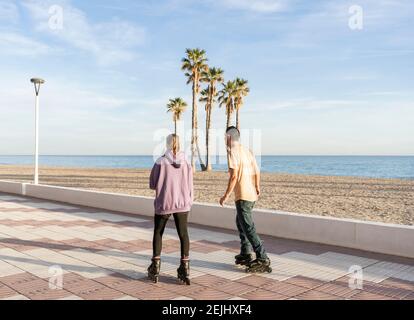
172 179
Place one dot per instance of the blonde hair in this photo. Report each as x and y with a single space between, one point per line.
173 143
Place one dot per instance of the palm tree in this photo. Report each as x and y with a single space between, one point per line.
211 76
177 107
194 63
242 90
226 98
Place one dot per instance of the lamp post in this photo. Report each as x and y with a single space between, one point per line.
37 82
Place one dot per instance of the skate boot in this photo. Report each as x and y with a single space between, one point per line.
243 259
154 270
259 266
183 272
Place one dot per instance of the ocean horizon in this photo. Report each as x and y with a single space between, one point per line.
401 167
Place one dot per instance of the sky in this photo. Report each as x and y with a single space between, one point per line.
318 85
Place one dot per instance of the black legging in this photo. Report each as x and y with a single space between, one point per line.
160 222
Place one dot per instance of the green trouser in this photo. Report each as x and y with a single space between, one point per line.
249 239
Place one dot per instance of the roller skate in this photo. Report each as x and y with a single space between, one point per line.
154 270
259 266
183 272
243 259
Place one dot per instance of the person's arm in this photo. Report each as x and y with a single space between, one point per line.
257 182
256 176
191 183
230 186
155 173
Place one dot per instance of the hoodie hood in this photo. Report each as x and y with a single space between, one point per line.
177 160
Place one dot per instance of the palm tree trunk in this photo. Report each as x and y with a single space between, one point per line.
228 125
237 119
202 165
208 124
193 124
175 127
228 119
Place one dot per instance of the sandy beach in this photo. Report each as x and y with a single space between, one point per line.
383 200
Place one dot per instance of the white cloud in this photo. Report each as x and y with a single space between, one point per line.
8 12
308 104
16 44
263 6
109 42
76 119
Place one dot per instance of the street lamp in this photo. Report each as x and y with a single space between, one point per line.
37 82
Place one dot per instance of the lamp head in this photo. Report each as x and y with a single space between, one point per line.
37 81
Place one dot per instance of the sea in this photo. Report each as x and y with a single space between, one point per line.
401 167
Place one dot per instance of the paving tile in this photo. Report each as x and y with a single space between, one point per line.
114 280
338 289
385 290
18 280
398 283
210 280
71 297
6 292
74 282
305 282
134 287
178 288
182 298
407 274
383 270
317 295
99 293
68 263
199 246
206 293
33 287
222 284
409 297
7 269
127 269
16 297
233 288
154 293
254 281
284 288
89 289
365 295
260 294
126 298
39 290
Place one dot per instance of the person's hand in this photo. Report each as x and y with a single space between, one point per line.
223 200
258 191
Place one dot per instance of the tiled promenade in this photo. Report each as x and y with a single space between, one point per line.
104 255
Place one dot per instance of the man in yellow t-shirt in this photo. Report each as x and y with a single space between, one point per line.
245 181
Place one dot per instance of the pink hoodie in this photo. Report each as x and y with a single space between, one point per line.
172 180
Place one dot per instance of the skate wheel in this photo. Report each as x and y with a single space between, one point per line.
269 270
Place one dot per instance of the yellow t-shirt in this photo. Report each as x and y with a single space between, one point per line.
243 162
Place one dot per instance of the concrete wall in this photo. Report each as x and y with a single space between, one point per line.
11 187
370 236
